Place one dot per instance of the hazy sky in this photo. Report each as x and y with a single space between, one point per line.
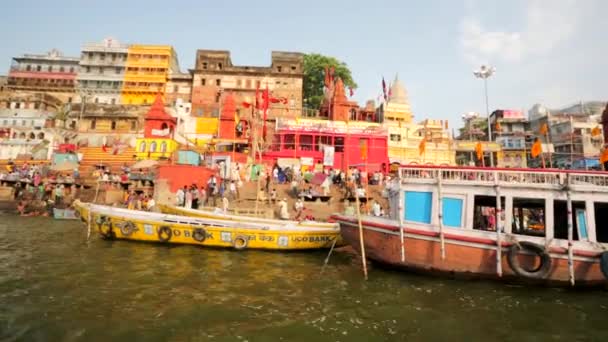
553 52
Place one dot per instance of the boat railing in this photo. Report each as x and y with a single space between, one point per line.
505 177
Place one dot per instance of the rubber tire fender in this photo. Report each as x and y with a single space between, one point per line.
199 234
164 234
604 264
127 228
240 246
540 272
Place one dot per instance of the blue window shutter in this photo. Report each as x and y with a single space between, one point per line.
452 212
418 206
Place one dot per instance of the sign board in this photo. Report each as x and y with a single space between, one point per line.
512 114
307 161
328 155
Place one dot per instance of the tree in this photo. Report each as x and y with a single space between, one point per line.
314 75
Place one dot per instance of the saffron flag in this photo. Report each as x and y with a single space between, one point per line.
544 129
363 148
537 149
104 148
498 127
604 156
422 147
479 150
246 104
596 131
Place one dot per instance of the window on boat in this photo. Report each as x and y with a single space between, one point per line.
484 212
528 216
452 211
418 206
560 220
601 215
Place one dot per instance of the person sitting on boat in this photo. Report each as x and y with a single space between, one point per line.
298 207
376 209
360 192
180 197
150 206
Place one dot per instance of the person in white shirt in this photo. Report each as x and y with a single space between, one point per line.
298 206
225 204
283 212
150 205
233 192
180 196
376 209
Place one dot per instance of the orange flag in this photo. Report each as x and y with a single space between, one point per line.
544 129
596 131
498 127
479 150
422 147
604 156
537 149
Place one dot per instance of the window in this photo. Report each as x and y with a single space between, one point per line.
418 206
5 122
218 82
101 71
38 68
17 105
28 67
102 56
40 135
32 135
204 66
203 81
142 146
293 68
484 212
248 84
163 146
395 137
61 69
113 125
23 123
93 123
175 89
113 101
113 57
97 99
452 211
88 69
339 144
306 143
279 68
528 216
601 215
69 100
50 68
257 84
239 83
153 146
579 221
289 141
117 70
219 66
133 122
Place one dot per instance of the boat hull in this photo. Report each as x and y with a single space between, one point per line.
464 256
182 231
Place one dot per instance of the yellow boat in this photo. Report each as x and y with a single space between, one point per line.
118 223
218 215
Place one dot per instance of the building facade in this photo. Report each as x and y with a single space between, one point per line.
51 72
510 129
214 74
146 73
102 70
179 87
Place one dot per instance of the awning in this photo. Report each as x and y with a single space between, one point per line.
144 164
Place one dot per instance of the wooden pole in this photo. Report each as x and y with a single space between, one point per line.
401 207
440 211
363 260
498 227
570 232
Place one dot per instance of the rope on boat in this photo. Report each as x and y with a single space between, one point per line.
498 227
401 208
440 212
570 232
329 254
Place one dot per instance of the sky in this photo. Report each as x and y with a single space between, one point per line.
552 52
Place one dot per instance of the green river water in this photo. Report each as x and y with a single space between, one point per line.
56 286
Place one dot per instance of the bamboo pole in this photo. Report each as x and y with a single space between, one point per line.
440 211
401 207
363 260
498 227
570 232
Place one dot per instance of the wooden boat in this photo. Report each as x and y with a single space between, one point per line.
218 215
65 214
118 223
445 219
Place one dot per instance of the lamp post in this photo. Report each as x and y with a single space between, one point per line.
484 73
468 117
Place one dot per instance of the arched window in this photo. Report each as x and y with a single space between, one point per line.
40 135
142 146
113 125
163 146
164 126
32 135
22 135
153 146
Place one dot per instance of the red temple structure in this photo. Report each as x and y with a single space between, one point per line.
232 126
157 123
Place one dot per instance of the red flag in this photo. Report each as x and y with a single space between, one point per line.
104 148
246 104
266 99
274 100
352 92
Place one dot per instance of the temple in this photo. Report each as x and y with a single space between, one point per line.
159 131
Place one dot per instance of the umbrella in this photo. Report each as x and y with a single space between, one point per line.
145 164
318 178
65 166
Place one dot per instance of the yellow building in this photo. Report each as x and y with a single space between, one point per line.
405 136
155 148
146 72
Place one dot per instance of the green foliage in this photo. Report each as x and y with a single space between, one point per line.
314 75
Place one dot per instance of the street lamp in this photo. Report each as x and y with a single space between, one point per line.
484 73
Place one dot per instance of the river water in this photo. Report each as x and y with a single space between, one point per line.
56 286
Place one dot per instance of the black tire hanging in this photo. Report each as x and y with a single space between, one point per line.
240 242
127 228
199 234
604 264
539 272
164 234
102 223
